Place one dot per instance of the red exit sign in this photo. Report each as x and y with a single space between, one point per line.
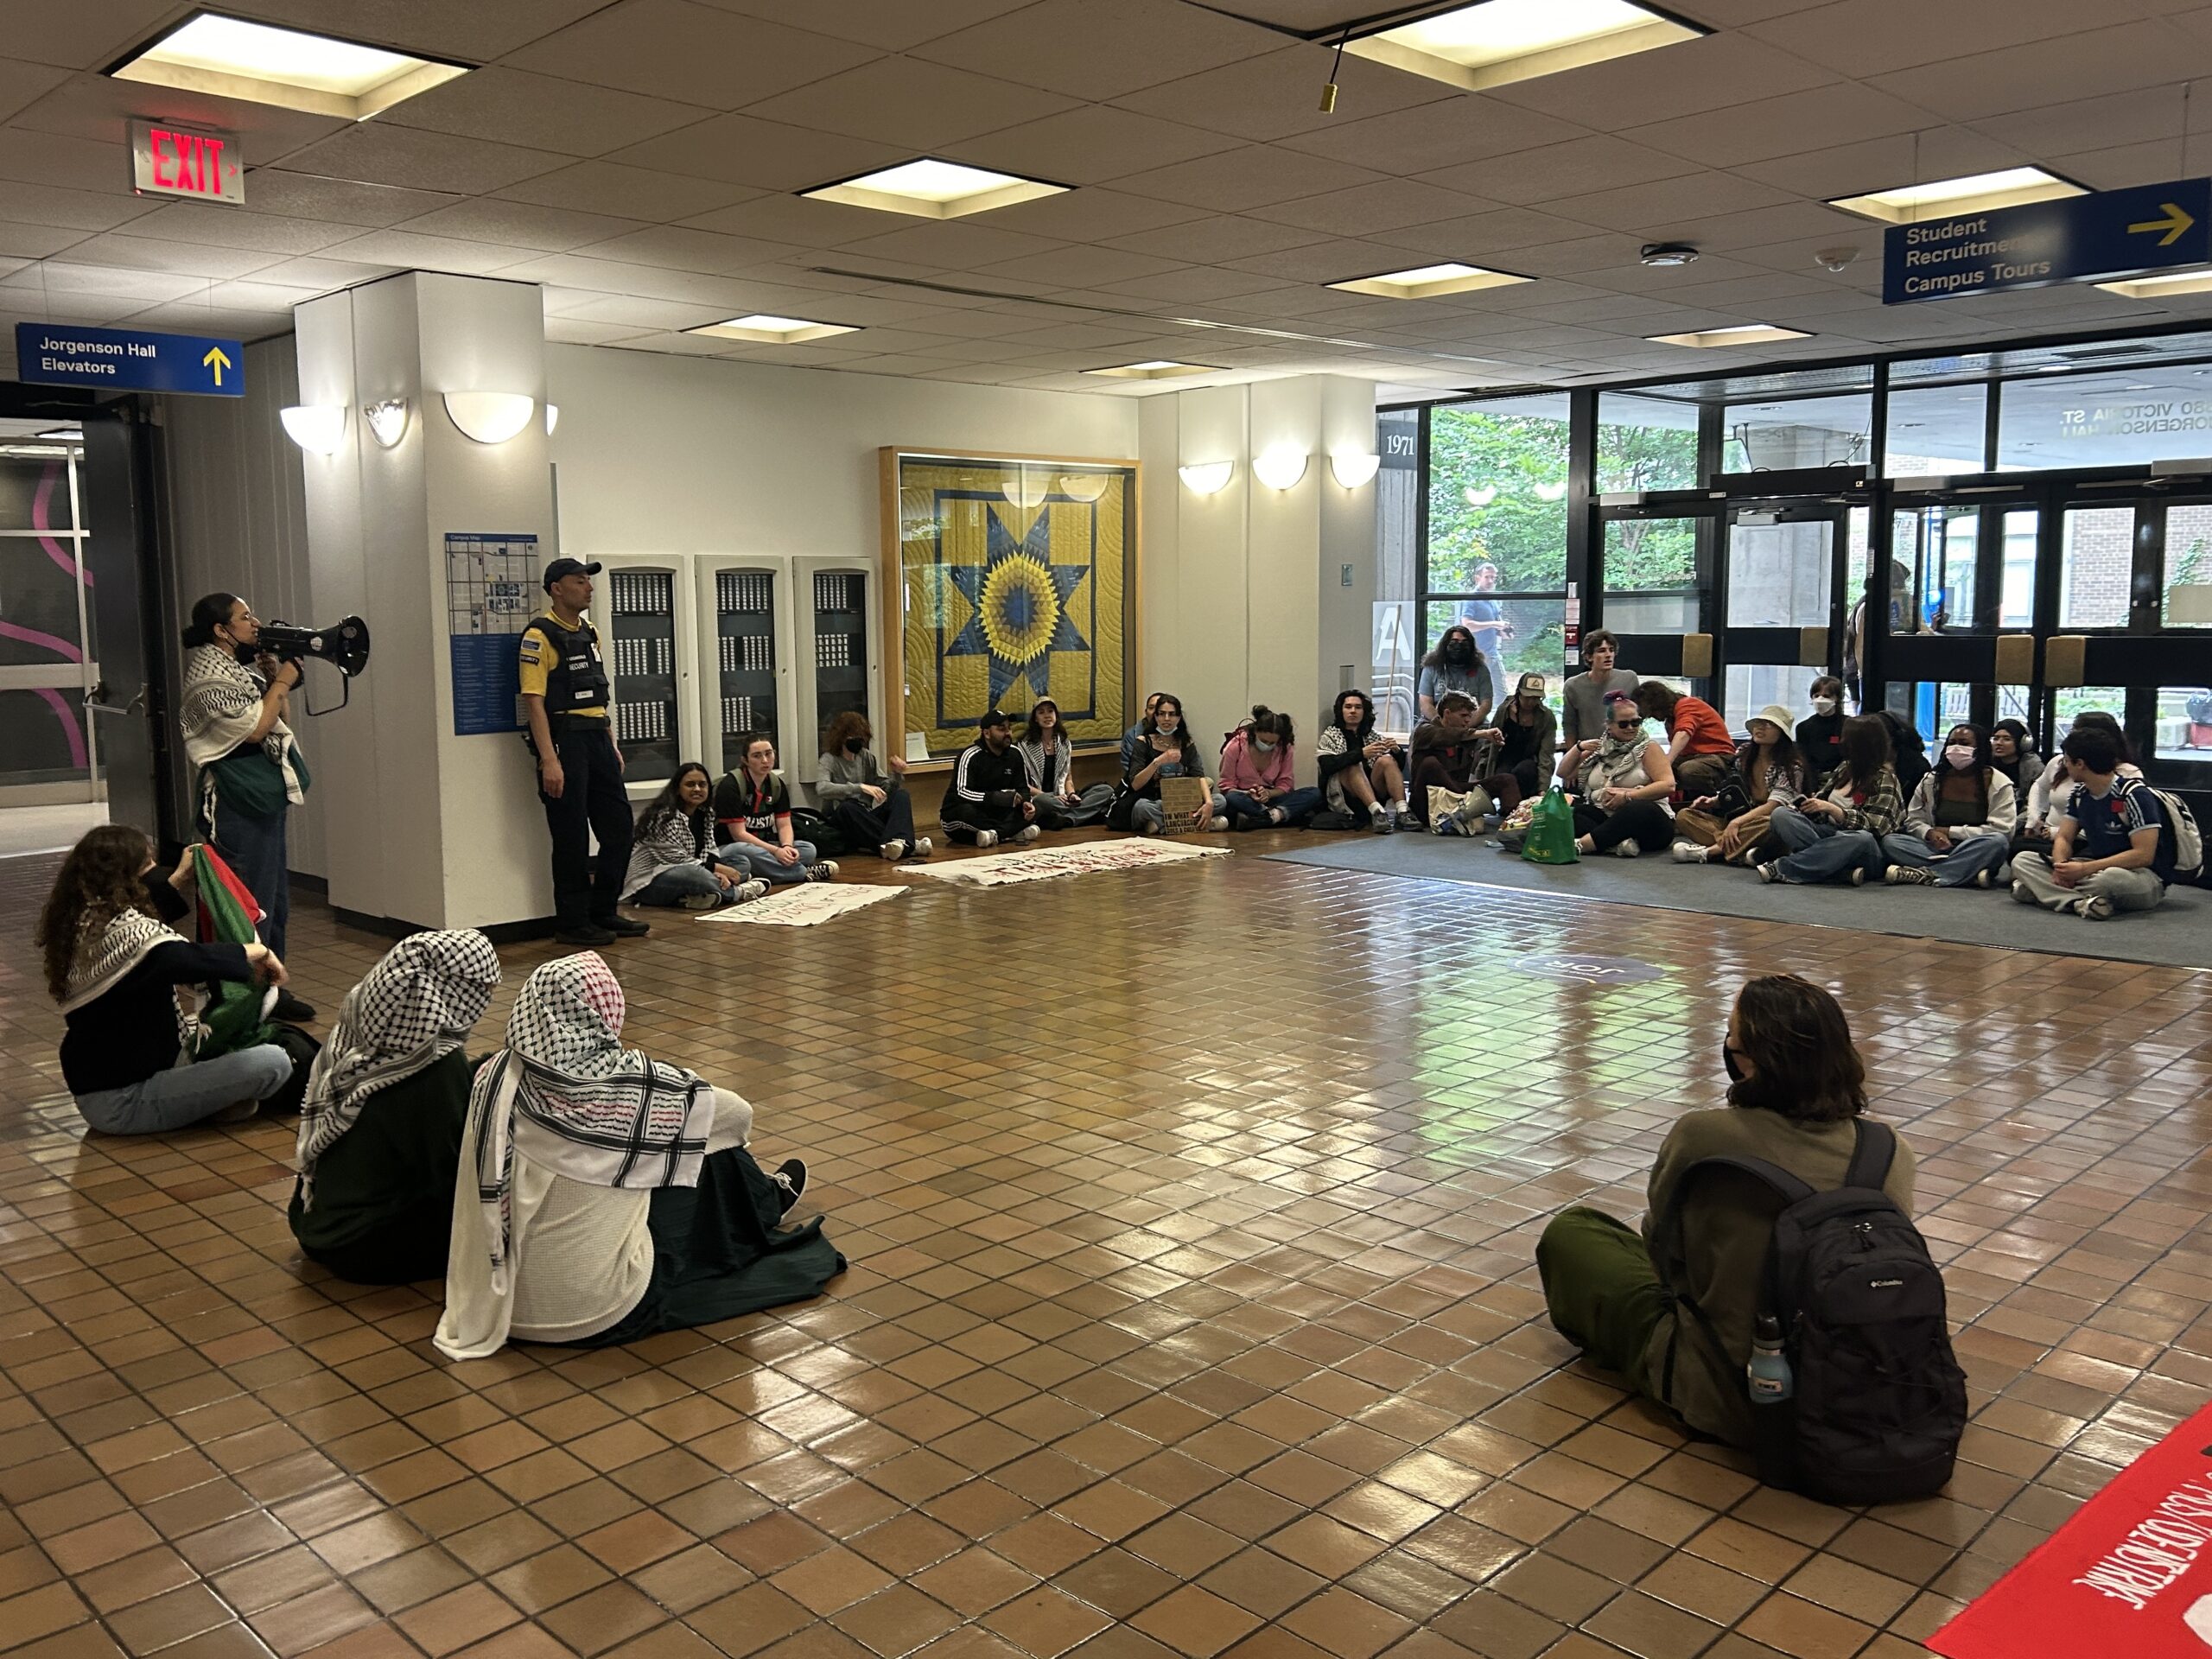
194 162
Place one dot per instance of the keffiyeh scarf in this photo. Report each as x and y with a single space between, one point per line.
1618 760
220 707
107 954
414 1007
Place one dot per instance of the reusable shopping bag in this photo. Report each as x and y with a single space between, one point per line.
1551 832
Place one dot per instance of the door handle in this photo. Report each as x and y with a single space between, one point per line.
94 701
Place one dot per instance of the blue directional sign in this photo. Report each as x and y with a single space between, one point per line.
2113 233
129 359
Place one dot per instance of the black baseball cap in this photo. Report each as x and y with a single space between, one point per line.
995 717
561 568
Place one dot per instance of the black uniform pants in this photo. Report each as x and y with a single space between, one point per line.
591 802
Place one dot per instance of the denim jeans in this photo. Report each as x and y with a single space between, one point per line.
1819 850
185 1093
1955 869
743 855
676 883
1244 812
254 849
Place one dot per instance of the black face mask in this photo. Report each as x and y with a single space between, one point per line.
1728 1060
855 745
1459 652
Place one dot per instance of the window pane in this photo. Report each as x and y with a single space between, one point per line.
2077 699
1778 575
2184 729
1398 503
1652 579
1497 494
42 738
1935 430
2188 600
2017 605
2096 556
1645 443
1800 432
2152 413
1752 686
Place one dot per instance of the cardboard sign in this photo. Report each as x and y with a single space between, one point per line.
2130 1575
1183 804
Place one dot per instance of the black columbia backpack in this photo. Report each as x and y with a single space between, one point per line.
1879 1402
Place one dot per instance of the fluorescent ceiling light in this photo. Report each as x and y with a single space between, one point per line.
490 416
1281 466
319 428
762 329
1910 202
228 57
1353 467
2169 285
930 188
1159 368
1206 477
1494 42
1742 333
1427 282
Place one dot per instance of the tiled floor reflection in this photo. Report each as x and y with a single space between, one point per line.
1191 1310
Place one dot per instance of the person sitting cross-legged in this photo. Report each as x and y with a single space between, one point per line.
990 798
1456 753
1837 834
673 857
2113 849
1698 744
1621 782
1359 770
1048 757
1170 749
1259 774
869 804
1958 827
753 806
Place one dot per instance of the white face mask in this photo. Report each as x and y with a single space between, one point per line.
1824 705
1960 755
1264 745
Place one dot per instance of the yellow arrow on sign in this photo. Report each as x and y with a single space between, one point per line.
2174 224
217 361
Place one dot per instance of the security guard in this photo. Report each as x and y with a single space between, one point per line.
565 694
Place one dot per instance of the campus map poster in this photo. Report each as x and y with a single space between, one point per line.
489 579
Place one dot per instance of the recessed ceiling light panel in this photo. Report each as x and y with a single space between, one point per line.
2171 284
1742 333
1910 203
258 63
1159 368
1430 282
929 188
762 329
1495 42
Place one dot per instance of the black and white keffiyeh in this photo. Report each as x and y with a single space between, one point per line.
220 707
107 951
413 1008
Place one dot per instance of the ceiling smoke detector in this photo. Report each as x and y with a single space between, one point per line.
1661 254
1834 258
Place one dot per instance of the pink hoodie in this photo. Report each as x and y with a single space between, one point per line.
1243 769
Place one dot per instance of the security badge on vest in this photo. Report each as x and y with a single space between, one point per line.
575 682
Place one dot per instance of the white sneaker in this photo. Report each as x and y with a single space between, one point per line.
924 847
1688 852
1627 849
824 870
746 891
1218 823
1276 815
2094 908
1028 833
891 851
987 838
701 901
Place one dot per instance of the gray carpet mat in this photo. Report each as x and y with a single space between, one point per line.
2178 934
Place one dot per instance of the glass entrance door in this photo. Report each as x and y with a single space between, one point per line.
48 749
1656 580
1783 574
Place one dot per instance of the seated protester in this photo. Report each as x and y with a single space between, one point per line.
1132 739
1698 744
1729 825
990 798
869 804
1527 736
1048 759
1170 750
673 858
1455 665
1358 769
753 806
114 964
1837 833
1621 781
1959 827
1908 751
1586 693
2052 790
604 1197
1797 1091
1820 735
380 1126
2114 849
2011 751
1453 753
1259 774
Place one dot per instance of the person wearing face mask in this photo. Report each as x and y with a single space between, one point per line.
1170 750
250 770
869 804
1958 828
1586 693
1670 1309
1048 757
1820 735
1259 775
1132 739
1456 665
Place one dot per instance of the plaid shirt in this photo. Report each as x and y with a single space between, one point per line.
1877 810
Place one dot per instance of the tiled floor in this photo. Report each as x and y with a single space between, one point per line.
1191 1310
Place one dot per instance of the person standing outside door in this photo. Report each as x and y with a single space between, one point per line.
565 696
1485 618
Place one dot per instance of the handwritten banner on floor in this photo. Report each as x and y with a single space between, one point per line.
1044 863
2130 1574
804 907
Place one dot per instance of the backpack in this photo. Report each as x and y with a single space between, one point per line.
2179 835
1879 1402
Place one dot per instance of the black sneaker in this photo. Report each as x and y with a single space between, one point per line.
791 1175
290 1009
623 928
589 934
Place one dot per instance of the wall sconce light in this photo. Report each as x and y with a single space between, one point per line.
319 428
1207 477
490 416
1279 468
552 418
387 420
1028 488
1084 487
1352 468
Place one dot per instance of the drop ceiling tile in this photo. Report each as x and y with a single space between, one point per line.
1489 238
2089 123
1578 167
910 103
1449 133
54 276
1853 169
73 210
768 155
1216 239
1684 79
1693 196
894 25
338 202
56 158
1576 256
229 227
183 258
97 107
574 331
518 224
1074 268
955 244
1071 47
693 54
34 241
1256 175
2125 57
1093 215
793 221
252 294
565 117
2122 166
1376 209
1335 260
1816 222
1090 144
475 32
900 365
1870 37
79 37
320 274
1277 93
373 153
673 248
645 281
1198 284
412 252
628 192
667 315
184 317
1776 126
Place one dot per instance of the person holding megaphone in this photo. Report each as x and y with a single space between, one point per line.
250 773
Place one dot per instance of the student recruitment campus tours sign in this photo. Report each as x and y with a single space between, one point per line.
2110 234
129 359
